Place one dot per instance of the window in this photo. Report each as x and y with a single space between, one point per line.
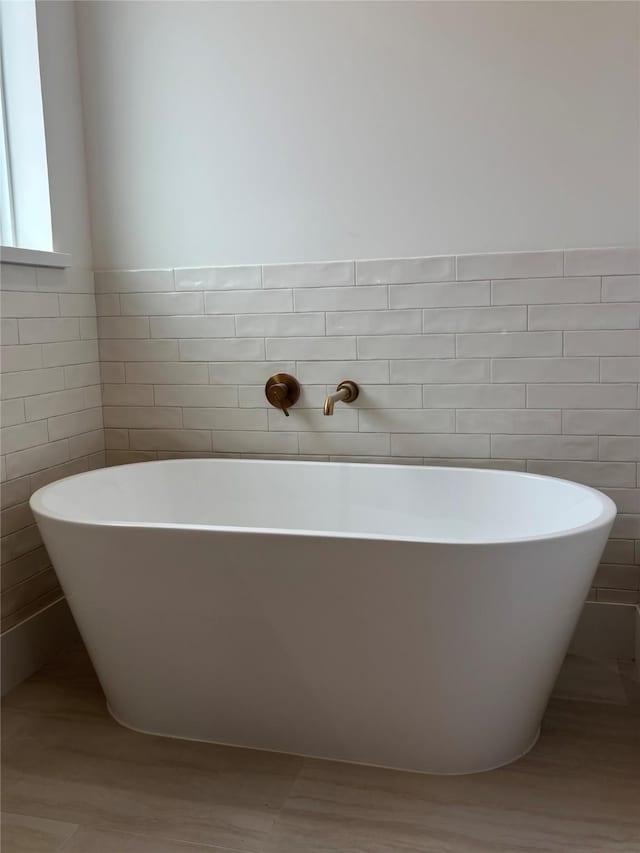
25 208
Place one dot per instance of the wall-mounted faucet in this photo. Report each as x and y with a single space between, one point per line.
346 391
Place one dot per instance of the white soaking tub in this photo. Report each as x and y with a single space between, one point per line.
393 615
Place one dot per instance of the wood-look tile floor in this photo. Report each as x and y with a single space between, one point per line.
76 781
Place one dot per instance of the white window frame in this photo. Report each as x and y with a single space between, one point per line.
26 234
7 223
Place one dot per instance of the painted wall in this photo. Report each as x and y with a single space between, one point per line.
226 133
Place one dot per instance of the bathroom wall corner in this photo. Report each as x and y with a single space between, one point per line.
29 645
607 631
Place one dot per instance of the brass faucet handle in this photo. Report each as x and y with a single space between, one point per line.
277 394
282 391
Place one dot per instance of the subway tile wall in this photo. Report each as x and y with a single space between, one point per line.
50 415
527 361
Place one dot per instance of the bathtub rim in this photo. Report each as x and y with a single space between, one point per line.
606 516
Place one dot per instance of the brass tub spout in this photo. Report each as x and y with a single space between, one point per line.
346 391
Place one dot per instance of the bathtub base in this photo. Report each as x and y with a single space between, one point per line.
362 652
423 770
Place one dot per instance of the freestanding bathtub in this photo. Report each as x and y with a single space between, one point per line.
394 615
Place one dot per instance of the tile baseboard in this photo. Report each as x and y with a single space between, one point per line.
30 644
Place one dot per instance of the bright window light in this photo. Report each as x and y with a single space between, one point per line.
25 207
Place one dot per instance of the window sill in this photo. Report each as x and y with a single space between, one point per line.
34 257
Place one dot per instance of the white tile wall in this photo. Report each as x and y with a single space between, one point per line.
50 416
527 360
511 265
220 278
524 361
406 270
